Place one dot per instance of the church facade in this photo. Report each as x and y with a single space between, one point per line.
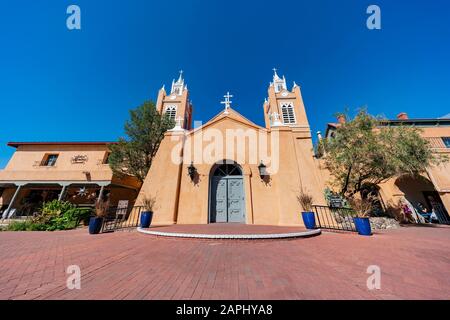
229 169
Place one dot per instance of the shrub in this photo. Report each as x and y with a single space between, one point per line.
27 225
54 215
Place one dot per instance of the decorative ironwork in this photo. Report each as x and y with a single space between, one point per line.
79 159
120 218
332 218
227 169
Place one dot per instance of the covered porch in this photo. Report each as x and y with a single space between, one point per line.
24 199
420 194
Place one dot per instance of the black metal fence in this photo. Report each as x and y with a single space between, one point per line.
334 218
122 218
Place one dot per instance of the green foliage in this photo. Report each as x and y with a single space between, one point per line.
54 215
27 225
145 131
363 152
329 194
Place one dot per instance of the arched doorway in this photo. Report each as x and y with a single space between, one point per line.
372 191
420 192
226 197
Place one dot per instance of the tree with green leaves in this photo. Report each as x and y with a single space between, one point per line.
145 130
363 152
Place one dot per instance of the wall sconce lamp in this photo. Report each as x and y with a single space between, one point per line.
192 171
262 170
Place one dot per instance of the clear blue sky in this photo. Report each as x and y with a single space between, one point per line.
58 85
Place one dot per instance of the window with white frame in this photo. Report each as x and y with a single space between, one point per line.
446 141
171 112
49 160
287 112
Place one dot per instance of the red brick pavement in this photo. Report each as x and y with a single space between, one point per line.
414 261
226 229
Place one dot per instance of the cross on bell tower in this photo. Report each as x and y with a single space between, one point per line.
176 103
178 86
227 102
278 83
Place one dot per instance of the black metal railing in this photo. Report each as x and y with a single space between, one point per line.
122 218
334 218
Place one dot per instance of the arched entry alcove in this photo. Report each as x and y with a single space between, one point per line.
421 190
226 196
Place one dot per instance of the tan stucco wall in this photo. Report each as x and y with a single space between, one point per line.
24 164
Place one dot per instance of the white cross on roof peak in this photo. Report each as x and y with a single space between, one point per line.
227 101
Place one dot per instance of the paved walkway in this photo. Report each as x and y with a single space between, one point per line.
226 228
414 261
230 231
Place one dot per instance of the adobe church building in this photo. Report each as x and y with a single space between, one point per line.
230 169
227 170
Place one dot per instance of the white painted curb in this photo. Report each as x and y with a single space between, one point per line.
302 234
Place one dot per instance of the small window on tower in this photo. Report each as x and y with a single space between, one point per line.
171 112
287 111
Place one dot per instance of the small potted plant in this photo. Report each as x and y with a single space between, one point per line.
363 208
147 215
306 201
95 223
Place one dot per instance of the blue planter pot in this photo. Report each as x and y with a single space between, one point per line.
95 225
146 219
309 220
363 226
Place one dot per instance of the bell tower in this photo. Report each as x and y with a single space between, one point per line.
284 107
176 104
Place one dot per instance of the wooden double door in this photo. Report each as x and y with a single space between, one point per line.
227 200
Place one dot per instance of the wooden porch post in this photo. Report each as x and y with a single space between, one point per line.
100 196
11 204
63 191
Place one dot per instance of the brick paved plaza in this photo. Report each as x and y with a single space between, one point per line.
414 261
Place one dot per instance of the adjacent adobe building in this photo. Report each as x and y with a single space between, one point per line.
432 189
73 171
